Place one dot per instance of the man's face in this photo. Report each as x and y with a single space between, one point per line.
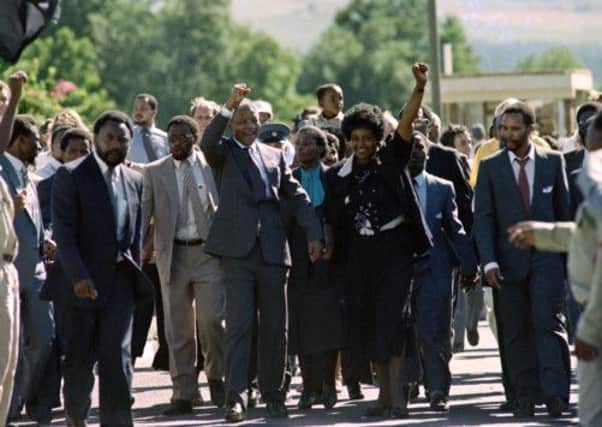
264 117
181 139
421 123
203 114
143 113
332 103
513 132
4 98
113 142
28 147
245 125
419 154
76 148
462 143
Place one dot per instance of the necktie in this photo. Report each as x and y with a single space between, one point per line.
253 176
148 146
112 187
190 195
523 183
25 177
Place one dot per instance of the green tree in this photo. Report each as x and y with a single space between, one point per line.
555 59
464 58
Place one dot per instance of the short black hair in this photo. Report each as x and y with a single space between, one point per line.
74 133
522 109
23 125
113 116
592 106
57 130
318 135
150 99
364 116
184 120
322 90
448 137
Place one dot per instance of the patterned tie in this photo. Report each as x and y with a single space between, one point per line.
523 183
148 146
191 195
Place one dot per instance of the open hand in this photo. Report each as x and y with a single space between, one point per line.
585 351
239 92
84 289
420 72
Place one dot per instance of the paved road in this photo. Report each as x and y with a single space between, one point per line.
476 393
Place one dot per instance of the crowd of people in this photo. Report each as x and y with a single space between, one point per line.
358 245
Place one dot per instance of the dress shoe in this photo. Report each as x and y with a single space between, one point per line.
235 413
197 401
413 392
458 347
473 336
276 410
438 402
355 391
252 397
218 393
179 407
306 400
329 397
524 410
74 422
556 406
507 406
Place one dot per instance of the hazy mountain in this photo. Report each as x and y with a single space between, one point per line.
501 31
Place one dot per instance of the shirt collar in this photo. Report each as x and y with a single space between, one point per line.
54 162
530 154
103 166
245 147
419 180
16 163
189 159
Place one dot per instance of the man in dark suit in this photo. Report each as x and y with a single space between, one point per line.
433 280
574 158
33 377
97 223
249 236
522 182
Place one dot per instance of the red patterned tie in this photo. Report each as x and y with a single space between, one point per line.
523 182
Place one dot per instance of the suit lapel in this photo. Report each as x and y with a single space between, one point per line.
209 180
99 186
537 179
14 183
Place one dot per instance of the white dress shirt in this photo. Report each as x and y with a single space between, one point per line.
190 230
49 168
158 140
530 170
120 211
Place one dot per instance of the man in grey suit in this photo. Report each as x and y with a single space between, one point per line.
522 182
248 234
180 194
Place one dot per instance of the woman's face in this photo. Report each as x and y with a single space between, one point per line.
307 150
364 144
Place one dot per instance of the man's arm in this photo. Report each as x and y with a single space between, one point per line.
65 221
562 198
456 234
15 84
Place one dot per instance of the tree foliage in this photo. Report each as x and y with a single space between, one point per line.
556 59
464 58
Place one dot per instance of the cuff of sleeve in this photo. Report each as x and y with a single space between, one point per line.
226 113
490 266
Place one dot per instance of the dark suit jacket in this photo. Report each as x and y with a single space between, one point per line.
574 159
498 206
392 159
240 219
575 192
84 230
448 164
29 230
44 193
450 241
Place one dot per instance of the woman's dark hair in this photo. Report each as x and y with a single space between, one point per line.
364 116
448 137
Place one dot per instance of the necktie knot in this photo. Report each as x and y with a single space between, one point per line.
522 162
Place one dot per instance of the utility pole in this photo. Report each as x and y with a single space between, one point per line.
435 68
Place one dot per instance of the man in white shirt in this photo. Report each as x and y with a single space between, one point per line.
149 142
181 196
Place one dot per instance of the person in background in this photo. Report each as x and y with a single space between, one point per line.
478 134
330 99
203 111
457 137
277 136
67 117
264 109
332 150
55 160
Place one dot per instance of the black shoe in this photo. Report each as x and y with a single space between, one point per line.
329 397
276 410
355 391
413 392
235 413
524 410
556 406
473 336
508 406
218 394
252 397
306 400
439 402
399 412
161 360
179 407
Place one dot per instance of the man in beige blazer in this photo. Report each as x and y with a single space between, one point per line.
181 195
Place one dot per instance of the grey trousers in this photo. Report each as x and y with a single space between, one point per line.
590 392
252 285
9 334
195 291
468 311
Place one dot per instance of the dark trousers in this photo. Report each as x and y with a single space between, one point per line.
143 315
318 370
509 391
253 285
433 309
101 335
534 334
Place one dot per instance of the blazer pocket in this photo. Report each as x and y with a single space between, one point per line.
547 189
